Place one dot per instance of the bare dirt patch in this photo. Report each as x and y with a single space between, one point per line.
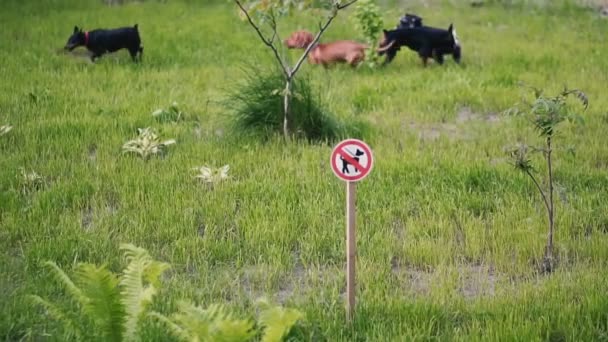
472 281
461 128
255 281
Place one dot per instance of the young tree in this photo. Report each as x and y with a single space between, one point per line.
545 114
266 11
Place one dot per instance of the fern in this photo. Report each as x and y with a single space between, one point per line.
138 282
71 327
277 321
104 306
174 328
216 323
63 278
109 308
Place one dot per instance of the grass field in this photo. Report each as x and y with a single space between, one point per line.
449 235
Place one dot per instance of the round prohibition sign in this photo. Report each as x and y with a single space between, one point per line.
351 160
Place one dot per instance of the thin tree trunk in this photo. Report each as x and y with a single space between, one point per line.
286 99
551 211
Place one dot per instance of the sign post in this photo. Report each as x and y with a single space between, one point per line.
351 161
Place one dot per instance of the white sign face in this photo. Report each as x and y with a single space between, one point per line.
351 160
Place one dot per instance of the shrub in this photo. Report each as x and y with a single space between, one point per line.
369 22
256 105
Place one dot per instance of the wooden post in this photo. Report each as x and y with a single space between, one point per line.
351 248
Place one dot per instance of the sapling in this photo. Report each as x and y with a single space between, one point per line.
267 11
545 114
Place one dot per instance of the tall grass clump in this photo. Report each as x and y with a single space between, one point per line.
256 106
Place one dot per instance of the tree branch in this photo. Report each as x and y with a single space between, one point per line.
267 42
318 36
339 7
539 190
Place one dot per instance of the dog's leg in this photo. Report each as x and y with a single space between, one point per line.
424 60
344 165
438 57
94 56
141 53
133 52
425 53
456 54
351 60
389 56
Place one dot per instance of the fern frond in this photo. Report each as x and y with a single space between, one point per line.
104 307
137 284
75 293
71 328
153 272
232 330
216 323
174 328
278 322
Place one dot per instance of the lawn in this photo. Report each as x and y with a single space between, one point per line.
449 234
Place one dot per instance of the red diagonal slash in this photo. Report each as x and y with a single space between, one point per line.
352 161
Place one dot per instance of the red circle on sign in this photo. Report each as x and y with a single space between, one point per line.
340 153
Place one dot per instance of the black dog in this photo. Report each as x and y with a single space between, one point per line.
101 41
345 162
429 42
409 20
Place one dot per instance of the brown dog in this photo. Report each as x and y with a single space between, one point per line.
342 51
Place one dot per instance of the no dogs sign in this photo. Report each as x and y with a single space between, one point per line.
351 160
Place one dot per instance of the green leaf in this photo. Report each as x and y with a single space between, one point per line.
216 323
75 293
277 321
71 327
104 306
137 283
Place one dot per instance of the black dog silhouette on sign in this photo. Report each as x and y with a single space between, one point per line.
345 162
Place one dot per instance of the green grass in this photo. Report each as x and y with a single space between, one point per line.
448 234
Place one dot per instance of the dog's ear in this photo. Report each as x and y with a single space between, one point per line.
451 28
75 29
